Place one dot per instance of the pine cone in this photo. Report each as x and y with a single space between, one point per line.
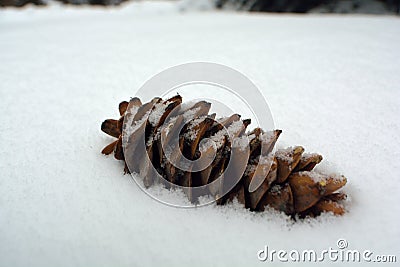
285 179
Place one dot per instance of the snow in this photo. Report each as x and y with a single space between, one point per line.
331 82
219 137
307 156
276 189
267 137
130 115
167 126
241 142
193 128
157 112
235 128
285 154
315 176
190 113
207 143
134 127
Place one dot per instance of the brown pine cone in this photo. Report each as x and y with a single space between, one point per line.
284 180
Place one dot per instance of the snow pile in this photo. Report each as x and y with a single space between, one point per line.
331 82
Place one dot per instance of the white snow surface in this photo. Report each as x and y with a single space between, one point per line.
332 83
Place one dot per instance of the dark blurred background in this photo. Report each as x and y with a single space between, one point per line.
293 6
320 6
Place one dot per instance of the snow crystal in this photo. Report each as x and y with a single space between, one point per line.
129 116
131 129
157 112
220 136
152 138
241 142
168 126
263 162
318 177
235 128
267 160
315 176
285 154
267 137
205 145
276 189
251 168
190 113
191 134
